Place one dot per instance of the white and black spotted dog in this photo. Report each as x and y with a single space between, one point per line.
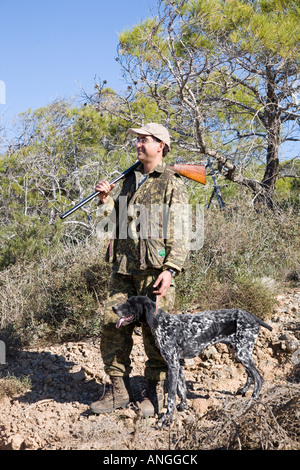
187 335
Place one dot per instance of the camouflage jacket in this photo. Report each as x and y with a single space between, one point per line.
147 216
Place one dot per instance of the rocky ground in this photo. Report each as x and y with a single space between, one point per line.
53 413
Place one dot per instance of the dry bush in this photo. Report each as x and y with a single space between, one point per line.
56 299
11 385
270 423
245 259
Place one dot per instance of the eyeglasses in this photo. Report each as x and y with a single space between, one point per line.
144 140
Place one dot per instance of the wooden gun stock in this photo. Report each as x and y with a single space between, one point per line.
191 171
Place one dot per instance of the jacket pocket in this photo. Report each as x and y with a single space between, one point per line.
155 253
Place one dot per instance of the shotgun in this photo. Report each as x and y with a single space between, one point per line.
191 171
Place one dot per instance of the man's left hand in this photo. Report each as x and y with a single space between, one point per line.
162 283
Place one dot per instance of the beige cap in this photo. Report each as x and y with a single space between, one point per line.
157 130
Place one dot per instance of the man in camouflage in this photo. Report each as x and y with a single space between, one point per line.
146 255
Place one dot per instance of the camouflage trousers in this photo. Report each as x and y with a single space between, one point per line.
116 344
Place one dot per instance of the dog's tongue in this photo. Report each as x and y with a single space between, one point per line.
119 323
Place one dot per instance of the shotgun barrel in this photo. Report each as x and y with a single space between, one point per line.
92 196
191 171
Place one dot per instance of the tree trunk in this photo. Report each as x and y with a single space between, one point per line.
273 126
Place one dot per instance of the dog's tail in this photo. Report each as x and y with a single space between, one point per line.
262 323
257 320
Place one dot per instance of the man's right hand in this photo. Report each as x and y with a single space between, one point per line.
104 188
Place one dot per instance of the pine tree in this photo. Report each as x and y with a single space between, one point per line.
225 73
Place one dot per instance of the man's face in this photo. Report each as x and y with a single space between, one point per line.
147 148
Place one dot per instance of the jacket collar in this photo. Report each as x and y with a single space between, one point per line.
160 168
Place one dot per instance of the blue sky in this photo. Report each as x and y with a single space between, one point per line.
49 49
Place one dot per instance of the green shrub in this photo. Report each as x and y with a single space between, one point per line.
28 238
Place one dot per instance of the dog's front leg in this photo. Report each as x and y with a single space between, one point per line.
173 371
181 387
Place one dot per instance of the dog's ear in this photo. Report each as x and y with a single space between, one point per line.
135 308
149 308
